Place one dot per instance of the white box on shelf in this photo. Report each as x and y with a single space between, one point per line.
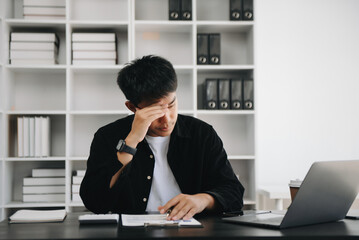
54 172
29 10
77 179
93 46
33 61
44 17
25 54
43 189
75 188
49 46
106 55
82 62
45 3
33 37
44 181
44 197
93 37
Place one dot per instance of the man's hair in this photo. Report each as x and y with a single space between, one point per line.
147 78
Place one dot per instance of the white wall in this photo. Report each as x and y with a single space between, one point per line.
307 96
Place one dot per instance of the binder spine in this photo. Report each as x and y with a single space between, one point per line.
211 94
235 12
186 10
202 48
224 93
248 93
247 10
236 94
174 9
214 48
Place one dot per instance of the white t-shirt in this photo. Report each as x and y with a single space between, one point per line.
164 185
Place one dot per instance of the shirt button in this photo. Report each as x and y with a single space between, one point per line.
151 156
144 199
148 177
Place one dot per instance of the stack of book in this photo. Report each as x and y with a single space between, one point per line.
76 183
45 185
44 9
33 136
33 48
94 49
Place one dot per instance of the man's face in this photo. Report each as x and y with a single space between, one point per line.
163 126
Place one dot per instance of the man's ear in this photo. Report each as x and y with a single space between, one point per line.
130 106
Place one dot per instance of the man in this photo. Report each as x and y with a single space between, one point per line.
155 159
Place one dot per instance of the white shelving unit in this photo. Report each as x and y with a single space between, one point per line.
80 99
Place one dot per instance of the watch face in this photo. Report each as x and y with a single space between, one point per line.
120 145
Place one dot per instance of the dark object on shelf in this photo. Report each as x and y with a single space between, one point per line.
214 48
202 48
235 10
247 9
224 93
174 9
248 93
236 94
211 94
186 10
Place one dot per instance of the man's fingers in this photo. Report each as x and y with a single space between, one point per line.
190 214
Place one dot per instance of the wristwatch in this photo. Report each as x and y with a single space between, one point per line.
122 147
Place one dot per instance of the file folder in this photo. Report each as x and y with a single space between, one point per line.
235 7
186 9
236 94
224 93
202 48
174 8
247 9
248 93
214 48
211 94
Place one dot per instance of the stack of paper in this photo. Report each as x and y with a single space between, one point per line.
45 185
33 136
94 49
44 9
76 183
30 216
33 48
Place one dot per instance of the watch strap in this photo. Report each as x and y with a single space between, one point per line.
122 147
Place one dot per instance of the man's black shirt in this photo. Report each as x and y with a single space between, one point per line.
195 155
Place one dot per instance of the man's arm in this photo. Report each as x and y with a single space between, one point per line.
142 121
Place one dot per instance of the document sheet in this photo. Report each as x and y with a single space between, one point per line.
155 220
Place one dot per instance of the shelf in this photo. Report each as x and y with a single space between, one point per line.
226 112
30 112
29 159
36 68
76 204
225 26
209 68
96 68
241 157
53 24
164 26
78 158
16 204
99 24
109 112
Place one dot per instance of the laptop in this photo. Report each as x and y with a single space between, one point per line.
326 194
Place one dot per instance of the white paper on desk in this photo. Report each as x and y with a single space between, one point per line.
29 216
138 220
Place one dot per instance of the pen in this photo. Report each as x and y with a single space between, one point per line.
168 212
